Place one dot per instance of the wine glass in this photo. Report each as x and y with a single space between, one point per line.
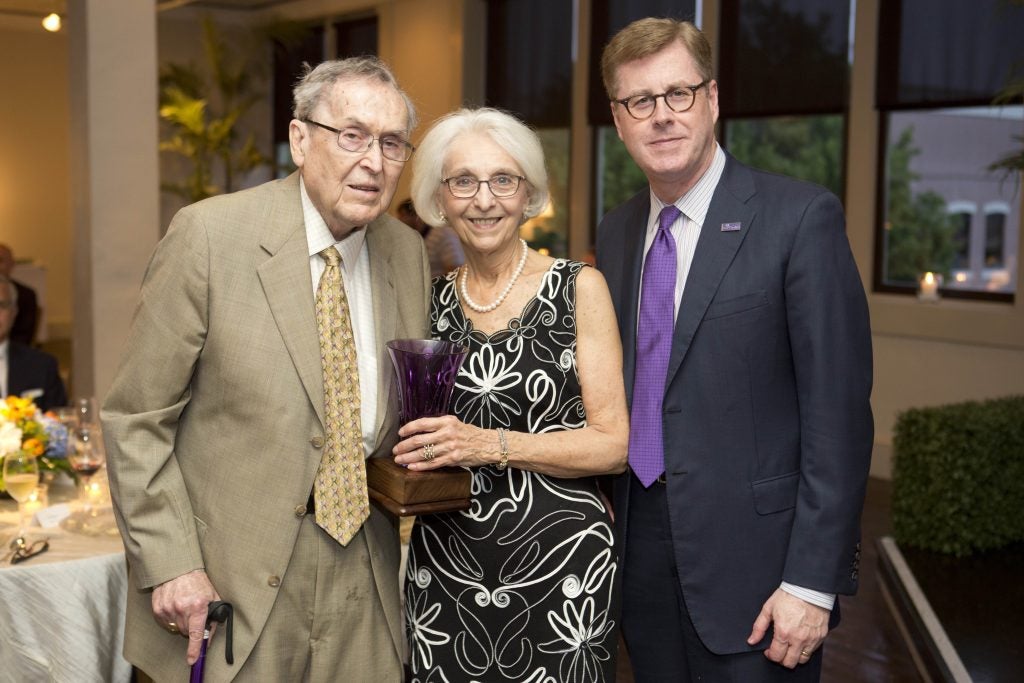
86 410
21 476
86 456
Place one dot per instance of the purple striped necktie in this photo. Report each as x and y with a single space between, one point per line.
653 345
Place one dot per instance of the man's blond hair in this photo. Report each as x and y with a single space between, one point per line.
645 37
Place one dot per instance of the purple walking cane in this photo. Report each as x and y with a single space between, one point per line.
220 612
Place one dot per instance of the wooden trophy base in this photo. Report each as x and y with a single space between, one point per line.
405 493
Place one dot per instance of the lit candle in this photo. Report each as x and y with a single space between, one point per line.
36 501
94 492
929 287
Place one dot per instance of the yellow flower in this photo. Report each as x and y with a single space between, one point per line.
17 409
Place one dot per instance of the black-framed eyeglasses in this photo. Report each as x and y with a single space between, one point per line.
466 186
27 550
357 140
679 100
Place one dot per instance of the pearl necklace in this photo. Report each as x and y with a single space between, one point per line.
504 293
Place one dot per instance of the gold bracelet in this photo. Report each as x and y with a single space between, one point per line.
503 463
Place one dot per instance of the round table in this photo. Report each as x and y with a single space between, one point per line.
63 612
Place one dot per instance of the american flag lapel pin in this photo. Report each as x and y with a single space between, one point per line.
731 227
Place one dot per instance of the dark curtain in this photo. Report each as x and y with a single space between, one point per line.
608 17
356 37
287 70
784 57
529 60
936 53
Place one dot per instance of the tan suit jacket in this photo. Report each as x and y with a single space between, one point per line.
215 416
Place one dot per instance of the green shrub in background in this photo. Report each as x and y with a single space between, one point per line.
958 476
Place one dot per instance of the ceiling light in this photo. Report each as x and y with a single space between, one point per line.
52 22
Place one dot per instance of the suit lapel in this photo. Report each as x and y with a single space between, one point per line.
281 274
632 245
714 253
385 317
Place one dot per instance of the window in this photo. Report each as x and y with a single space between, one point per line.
616 177
995 234
784 85
619 178
288 61
941 63
529 73
350 38
962 215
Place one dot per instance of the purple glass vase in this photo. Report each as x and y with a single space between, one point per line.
426 371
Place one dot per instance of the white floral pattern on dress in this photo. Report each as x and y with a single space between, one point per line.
520 586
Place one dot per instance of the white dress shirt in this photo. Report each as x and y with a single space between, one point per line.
686 228
355 274
685 231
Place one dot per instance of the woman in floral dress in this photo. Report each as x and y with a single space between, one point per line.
520 587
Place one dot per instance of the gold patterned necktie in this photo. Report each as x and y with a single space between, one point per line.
342 502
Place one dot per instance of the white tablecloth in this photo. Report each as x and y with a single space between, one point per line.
62 612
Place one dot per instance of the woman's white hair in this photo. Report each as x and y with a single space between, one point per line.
508 132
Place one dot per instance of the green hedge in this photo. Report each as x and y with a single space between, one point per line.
958 476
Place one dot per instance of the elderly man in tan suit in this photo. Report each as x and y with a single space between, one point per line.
254 383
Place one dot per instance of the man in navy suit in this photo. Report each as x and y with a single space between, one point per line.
747 355
24 370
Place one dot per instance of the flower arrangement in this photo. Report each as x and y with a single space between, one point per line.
24 428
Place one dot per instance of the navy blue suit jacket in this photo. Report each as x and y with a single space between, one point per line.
23 330
29 369
766 417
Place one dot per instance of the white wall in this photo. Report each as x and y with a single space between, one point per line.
35 205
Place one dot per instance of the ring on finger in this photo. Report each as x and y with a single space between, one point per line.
805 653
172 627
428 452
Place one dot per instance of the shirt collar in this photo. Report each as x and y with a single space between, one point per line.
4 346
319 237
695 203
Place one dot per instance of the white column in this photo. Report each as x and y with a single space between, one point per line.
114 176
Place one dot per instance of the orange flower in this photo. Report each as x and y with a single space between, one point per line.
33 446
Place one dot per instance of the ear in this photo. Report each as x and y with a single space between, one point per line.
615 117
298 141
712 87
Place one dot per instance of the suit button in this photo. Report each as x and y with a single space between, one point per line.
274 581
317 442
300 510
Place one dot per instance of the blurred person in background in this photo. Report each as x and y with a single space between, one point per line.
443 247
23 330
24 371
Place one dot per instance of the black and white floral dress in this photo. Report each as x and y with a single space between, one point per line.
520 586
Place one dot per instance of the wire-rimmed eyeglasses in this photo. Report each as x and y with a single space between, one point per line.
357 140
24 550
679 100
466 186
